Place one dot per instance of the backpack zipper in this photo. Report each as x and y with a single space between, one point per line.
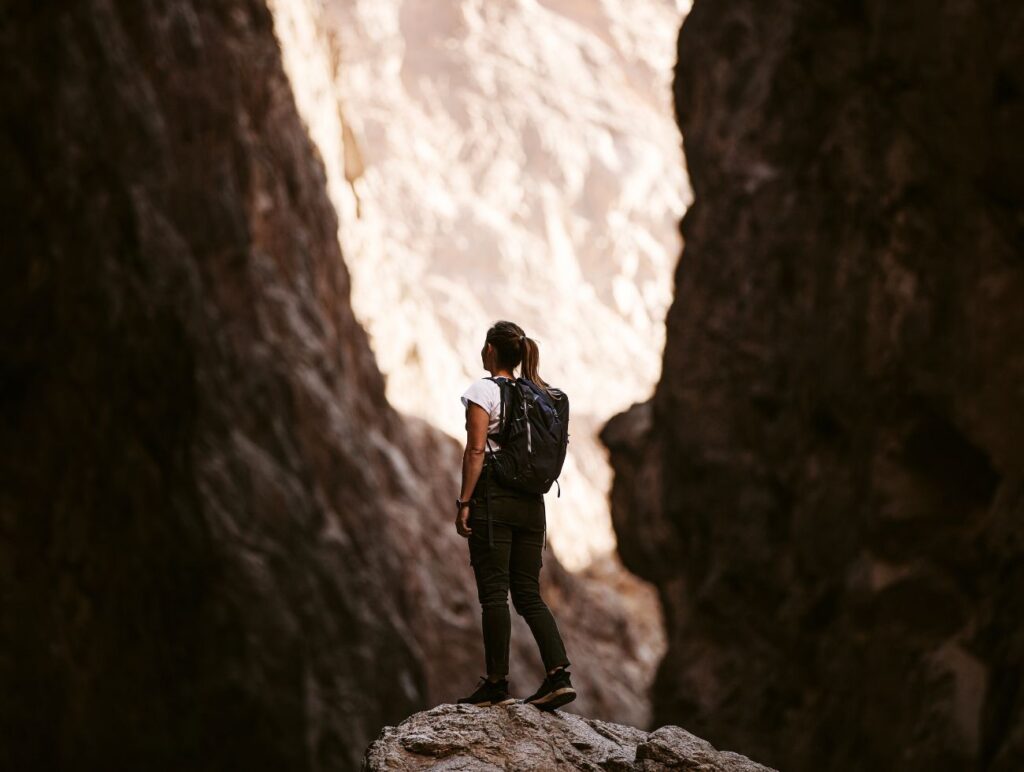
529 443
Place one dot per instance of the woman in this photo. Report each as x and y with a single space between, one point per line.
518 533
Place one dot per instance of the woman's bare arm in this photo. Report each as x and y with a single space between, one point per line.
472 461
473 458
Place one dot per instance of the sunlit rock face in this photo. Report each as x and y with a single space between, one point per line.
827 485
222 547
512 159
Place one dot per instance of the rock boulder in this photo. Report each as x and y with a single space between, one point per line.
521 738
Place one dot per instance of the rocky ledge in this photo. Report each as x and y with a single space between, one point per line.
520 737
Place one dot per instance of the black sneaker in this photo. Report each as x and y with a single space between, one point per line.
554 692
488 693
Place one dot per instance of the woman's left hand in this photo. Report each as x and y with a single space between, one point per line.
462 521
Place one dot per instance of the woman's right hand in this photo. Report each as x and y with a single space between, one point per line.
462 521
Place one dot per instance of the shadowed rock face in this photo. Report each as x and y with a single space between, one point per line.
826 486
221 547
523 738
191 497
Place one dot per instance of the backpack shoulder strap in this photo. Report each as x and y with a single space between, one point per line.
501 410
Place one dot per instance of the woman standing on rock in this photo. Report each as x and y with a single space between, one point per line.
506 548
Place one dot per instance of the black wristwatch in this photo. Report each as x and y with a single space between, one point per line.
459 504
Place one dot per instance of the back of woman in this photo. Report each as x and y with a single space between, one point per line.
507 504
506 530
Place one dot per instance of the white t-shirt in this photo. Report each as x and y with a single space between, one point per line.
487 394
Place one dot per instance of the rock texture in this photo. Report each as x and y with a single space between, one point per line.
827 484
221 547
522 738
503 159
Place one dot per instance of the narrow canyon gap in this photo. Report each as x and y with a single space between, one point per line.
503 159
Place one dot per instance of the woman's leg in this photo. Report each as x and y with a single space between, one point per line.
525 560
490 565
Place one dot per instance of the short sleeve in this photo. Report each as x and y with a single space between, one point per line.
481 393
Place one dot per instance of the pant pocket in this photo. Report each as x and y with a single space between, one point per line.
477 541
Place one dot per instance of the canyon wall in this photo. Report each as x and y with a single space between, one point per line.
827 484
222 548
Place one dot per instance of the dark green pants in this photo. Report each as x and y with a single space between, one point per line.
512 563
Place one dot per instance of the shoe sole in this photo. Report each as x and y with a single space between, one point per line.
554 699
508 701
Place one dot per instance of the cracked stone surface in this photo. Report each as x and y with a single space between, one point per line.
521 738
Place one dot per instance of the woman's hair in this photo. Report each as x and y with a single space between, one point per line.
513 348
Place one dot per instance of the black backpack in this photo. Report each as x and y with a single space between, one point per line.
533 432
